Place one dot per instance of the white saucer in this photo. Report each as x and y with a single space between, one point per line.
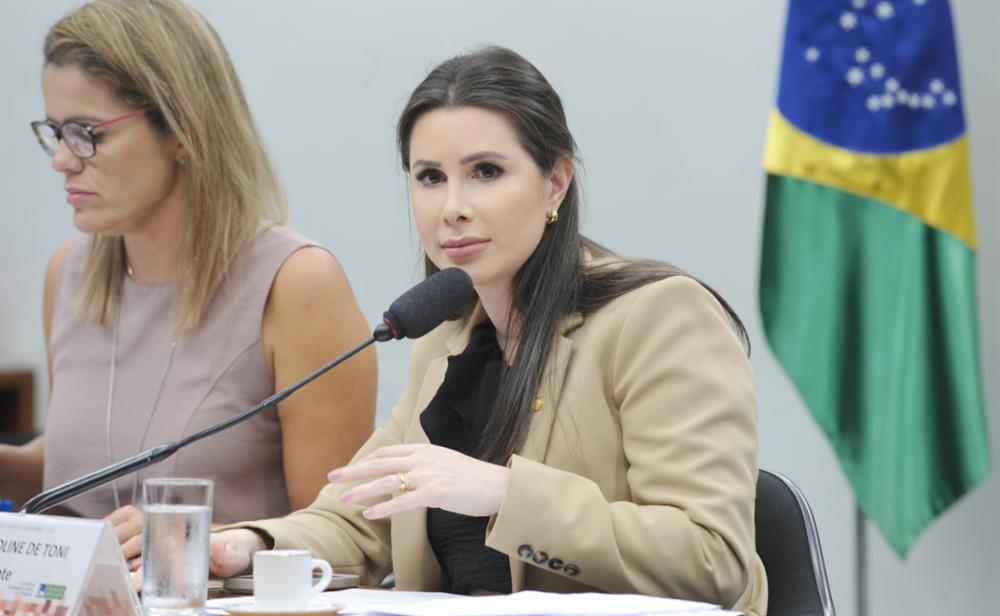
316 608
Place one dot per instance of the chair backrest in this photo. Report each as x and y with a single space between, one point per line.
788 545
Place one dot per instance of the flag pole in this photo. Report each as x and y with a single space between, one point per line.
860 561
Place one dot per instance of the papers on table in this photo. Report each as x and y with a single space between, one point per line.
360 602
355 600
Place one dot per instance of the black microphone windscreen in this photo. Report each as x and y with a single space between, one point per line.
429 304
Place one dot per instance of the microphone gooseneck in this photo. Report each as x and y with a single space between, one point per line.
412 315
66 491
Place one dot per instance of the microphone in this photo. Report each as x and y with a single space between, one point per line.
426 305
413 314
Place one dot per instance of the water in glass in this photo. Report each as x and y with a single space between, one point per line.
175 559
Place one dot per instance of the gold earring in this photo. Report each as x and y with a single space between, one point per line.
551 217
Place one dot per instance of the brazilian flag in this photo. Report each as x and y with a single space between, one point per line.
867 286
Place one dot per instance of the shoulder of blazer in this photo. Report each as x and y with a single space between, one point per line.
656 300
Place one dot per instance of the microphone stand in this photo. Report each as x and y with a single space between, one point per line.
54 496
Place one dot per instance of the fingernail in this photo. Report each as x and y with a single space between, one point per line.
333 475
368 513
346 497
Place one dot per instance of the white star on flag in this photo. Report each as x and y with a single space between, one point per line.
884 10
812 54
877 71
862 55
873 103
937 86
891 85
927 101
855 76
949 98
859 4
848 20
920 2
914 101
887 101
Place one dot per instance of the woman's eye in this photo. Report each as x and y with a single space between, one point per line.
488 171
429 177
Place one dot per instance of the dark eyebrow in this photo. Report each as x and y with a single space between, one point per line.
468 159
481 155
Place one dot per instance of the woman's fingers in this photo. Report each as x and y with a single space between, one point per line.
394 451
127 522
399 504
385 485
132 548
423 476
229 551
369 468
137 579
120 515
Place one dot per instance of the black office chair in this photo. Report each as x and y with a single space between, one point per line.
788 545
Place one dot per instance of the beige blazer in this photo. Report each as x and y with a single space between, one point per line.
638 474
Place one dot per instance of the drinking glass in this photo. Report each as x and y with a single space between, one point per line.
176 521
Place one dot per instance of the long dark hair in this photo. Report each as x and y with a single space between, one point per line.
555 281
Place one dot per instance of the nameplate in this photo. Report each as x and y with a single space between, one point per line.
62 567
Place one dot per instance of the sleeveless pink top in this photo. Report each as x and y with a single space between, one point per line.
212 375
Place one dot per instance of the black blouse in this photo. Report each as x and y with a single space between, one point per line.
456 418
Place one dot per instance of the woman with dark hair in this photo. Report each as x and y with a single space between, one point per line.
588 424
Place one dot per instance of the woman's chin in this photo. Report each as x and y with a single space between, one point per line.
93 225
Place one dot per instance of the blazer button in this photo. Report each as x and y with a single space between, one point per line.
572 570
555 564
540 557
537 404
525 551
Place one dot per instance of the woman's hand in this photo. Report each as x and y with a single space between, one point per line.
230 551
229 554
434 477
127 522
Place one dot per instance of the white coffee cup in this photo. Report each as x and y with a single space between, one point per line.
282 579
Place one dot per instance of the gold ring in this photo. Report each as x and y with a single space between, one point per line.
403 483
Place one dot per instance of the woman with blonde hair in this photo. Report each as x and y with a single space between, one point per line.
186 300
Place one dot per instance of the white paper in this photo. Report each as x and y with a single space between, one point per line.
356 600
362 602
534 603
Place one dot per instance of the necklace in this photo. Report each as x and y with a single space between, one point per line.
111 394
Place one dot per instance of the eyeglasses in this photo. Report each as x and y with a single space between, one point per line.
78 136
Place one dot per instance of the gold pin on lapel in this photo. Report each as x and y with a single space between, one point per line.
537 404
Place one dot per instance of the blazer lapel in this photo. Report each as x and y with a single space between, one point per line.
550 389
537 444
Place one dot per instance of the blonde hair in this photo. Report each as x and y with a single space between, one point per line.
163 57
